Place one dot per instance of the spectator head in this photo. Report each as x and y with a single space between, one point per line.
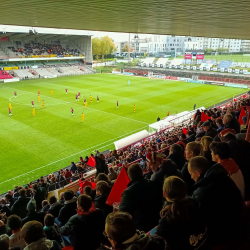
84 203
41 180
135 172
189 133
176 149
111 170
183 137
35 186
14 222
102 188
49 220
87 190
206 126
227 135
31 206
220 151
227 118
52 199
22 192
119 228
68 195
154 160
32 231
219 122
193 149
72 163
8 197
174 188
205 142
197 166
45 203
102 177
4 242
2 201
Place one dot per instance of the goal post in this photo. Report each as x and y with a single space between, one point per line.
150 74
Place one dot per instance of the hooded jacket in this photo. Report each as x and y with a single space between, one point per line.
186 229
221 203
68 210
140 199
43 244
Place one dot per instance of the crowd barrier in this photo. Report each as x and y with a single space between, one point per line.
226 80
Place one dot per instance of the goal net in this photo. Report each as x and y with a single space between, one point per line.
156 76
150 74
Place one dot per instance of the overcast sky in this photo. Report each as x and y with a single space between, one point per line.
117 37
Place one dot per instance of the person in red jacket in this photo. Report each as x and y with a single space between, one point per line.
68 175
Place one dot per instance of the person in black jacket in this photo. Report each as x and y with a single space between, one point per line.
39 195
230 122
102 193
33 214
55 206
19 207
69 208
240 154
219 197
209 130
9 198
167 168
141 200
176 155
86 227
101 166
190 137
182 224
73 167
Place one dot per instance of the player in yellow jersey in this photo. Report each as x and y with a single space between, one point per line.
33 112
38 98
51 92
83 116
43 106
86 105
91 98
134 108
10 107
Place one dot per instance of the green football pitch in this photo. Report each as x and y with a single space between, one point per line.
33 146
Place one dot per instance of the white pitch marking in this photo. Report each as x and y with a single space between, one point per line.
96 146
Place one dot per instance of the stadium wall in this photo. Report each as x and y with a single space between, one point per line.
84 43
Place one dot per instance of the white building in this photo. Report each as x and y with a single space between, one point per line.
202 43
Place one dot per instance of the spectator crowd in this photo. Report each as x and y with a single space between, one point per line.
188 189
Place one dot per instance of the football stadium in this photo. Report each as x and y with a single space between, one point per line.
124 135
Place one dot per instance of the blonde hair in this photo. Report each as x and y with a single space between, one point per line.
206 141
4 242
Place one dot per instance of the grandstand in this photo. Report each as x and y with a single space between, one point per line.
183 184
176 61
161 63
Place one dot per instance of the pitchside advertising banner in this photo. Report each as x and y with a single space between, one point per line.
188 56
199 57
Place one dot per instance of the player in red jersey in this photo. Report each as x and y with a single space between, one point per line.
38 92
15 94
117 106
79 94
72 111
32 104
66 90
76 97
10 112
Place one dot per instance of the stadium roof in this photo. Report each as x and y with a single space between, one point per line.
214 18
